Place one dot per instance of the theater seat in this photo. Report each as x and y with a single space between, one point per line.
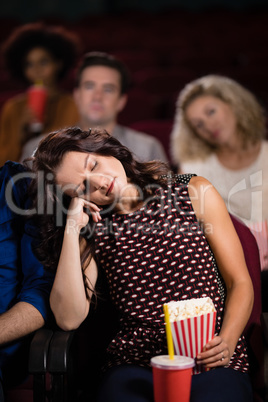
253 330
36 386
159 128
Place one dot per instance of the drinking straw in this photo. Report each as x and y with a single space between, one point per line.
168 333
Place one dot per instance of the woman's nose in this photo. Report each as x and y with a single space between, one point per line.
208 126
97 181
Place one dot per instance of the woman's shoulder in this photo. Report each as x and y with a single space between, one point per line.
185 180
191 183
195 185
178 179
195 181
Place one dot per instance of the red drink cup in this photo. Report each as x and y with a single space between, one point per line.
172 378
37 96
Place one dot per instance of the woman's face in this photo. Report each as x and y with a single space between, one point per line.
99 179
212 119
40 66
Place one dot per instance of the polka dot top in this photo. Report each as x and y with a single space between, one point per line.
154 255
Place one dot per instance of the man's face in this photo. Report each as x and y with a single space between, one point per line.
98 96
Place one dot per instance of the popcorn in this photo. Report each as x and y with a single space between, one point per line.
192 325
180 310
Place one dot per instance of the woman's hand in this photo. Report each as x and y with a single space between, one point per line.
68 298
215 353
77 217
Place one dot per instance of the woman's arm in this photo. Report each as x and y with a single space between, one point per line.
68 298
225 244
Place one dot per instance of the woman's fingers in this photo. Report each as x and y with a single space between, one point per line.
216 353
96 216
218 359
80 207
94 210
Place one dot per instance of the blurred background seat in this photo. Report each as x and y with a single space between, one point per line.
141 105
156 127
166 50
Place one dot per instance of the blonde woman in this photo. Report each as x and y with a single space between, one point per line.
219 133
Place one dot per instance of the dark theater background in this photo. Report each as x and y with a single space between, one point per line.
165 44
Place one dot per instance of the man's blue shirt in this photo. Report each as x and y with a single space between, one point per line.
22 276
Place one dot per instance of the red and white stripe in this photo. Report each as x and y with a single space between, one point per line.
190 335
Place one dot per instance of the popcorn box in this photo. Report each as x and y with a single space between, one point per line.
192 325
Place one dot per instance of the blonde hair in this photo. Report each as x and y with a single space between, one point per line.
251 123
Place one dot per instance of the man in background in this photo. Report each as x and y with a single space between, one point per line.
100 93
102 83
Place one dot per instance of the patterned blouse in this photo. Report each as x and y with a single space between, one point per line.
152 256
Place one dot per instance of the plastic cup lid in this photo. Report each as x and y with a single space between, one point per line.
179 362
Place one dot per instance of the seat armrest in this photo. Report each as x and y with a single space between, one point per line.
59 351
61 367
264 322
38 359
39 351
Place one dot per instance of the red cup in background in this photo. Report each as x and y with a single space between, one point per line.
172 378
37 97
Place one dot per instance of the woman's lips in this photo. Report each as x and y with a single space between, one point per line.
110 187
215 134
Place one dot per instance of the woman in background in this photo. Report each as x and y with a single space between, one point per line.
37 54
219 133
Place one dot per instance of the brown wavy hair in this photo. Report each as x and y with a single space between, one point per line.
54 205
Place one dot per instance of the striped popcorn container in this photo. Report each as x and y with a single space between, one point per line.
191 334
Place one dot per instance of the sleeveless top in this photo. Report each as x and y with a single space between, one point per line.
154 255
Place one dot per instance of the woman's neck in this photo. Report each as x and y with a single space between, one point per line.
130 201
236 157
127 209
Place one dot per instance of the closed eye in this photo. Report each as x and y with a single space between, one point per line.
94 165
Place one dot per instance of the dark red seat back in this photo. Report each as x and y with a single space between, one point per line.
253 331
